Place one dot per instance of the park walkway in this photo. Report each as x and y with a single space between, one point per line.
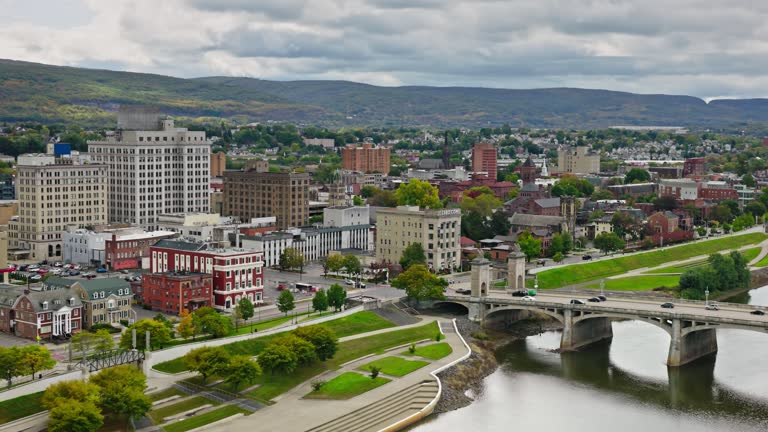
293 413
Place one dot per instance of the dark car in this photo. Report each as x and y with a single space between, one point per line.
577 302
465 291
668 305
602 298
757 312
586 257
520 293
594 300
74 273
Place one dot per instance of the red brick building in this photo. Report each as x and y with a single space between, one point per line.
365 158
718 193
52 314
126 250
694 167
484 159
173 292
237 273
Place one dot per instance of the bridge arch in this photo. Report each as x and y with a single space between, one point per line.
660 323
552 313
458 308
707 326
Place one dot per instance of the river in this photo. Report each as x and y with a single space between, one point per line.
622 385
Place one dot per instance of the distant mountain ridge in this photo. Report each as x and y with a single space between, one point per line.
59 94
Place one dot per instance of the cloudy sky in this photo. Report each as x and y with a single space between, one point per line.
705 48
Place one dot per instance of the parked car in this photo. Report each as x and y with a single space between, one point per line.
32 268
757 312
712 306
35 278
541 262
281 287
529 298
57 264
101 270
577 302
594 300
42 271
668 305
586 257
124 271
74 272
349 282
359 285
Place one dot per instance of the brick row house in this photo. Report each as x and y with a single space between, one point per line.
105 300
236 273
52 314
172 292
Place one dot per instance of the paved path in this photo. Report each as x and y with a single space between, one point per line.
292 413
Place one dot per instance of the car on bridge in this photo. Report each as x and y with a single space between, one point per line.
577 302
757 312
668 305
712 306
594 299
464 291
529 298
520 293
586 257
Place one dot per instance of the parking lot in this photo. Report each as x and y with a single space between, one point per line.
33 273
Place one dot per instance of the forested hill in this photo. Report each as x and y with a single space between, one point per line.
89 97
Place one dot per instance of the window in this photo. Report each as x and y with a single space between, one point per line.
45 305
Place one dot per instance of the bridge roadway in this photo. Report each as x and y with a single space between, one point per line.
692 327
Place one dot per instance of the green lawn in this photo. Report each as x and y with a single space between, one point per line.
394 366
162 394
159 414
273 385
638 283
763 262
204 419
347 385
749 255
433 352
579 273
20 407
360 322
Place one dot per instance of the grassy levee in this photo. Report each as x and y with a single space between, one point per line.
639 283
159 414
432 352
394 366
347 385
204 419
20 407
580 273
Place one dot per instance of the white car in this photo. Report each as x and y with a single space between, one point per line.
349 282
529 298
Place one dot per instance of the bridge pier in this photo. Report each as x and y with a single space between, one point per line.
580 333
685 347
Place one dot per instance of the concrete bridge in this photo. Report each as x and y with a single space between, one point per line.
692 328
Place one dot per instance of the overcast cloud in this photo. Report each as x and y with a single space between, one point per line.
705 48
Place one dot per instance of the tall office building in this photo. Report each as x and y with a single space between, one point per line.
154 168
365 158
55 192
578 160
255 192
484 159
438 231
218 164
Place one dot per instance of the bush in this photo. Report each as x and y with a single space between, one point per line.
412 348
479 335
317 385
438 337
124 323
375 370
102 326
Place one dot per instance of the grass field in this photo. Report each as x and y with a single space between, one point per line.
762 263
162 394
360 322
432 352
159 414
20 407
394 366
579 273
749 255
204 419
638 283
273 385
347 385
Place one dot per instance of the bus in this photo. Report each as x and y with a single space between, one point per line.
305 287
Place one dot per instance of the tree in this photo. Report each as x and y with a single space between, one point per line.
665 202
413 254
480 200
35 358
333 263
571 185
320 301
212 322
285 302
418 193
302 348
609 242
337 297
756 208
159 335
602 194
207 361
277 358
10 363
530 246
186 327
732 205
368 191
748 180
637 175
291 258
721 214
323 339
561 243
624 224
241 369
74 416
419 284
76 390
246 309
558 257
85 341
356 200
352 265
121 391
383 198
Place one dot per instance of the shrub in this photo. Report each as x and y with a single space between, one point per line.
317 385
103 326
374 371
412 348
438 337
480 335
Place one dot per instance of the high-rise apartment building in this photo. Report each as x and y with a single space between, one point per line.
154 168
484 159
438 231
255 192
218 164
694 167
577 160
55 192
365 158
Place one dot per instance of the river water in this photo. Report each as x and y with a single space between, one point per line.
622 385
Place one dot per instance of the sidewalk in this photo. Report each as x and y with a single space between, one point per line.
292 413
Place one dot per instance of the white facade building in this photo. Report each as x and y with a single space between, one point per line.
346 216
210 227
154 168
83 246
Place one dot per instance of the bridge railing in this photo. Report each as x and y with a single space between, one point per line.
579 293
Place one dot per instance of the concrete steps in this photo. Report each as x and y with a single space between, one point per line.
397 316
384 412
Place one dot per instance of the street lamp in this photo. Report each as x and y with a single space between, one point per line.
536 283
706 297
602 287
